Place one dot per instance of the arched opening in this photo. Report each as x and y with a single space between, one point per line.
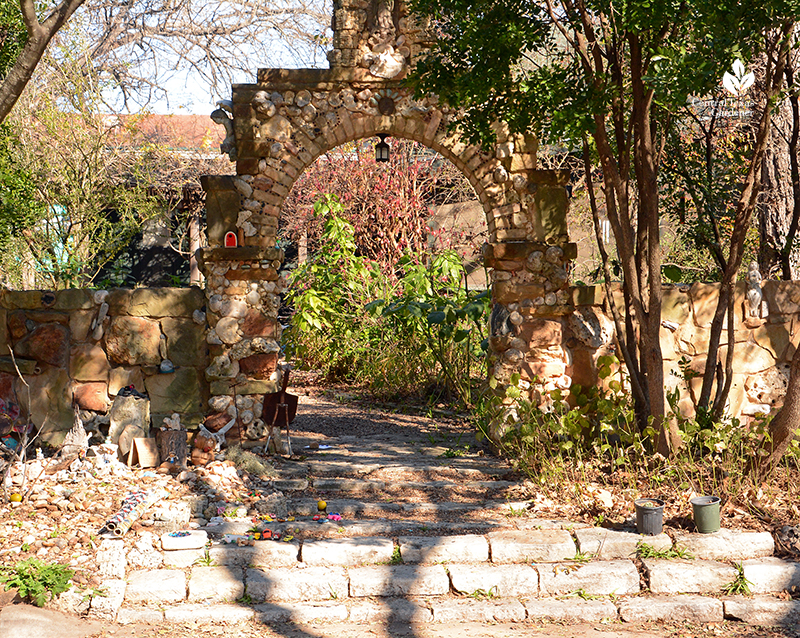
383 258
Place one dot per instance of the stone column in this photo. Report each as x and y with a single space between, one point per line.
242 291
530 260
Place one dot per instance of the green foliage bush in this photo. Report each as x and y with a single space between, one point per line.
37 581
418 330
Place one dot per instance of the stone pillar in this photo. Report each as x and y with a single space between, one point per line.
242 291
530 259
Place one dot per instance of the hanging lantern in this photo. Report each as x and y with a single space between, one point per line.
382 149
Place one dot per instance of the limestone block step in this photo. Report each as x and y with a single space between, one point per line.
291 584
763 610
182 558
139 616
539 546
401 580
672 608
772 575
608 544
490 611
208 613
687 576
346 507
727 544
289 484
216 584
495 580
599 578
156 586
571 610
347 485
437 549
396 610
301 612
261 554
347 551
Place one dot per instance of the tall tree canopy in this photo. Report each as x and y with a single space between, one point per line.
609 79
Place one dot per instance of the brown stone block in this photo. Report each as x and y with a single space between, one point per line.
543 370
774 338
704 302
7 387
133 341
258 366
180 391
74 299
675 305
17 324
541 332
91 396
505 292
549 177
247 166
256 324
166 302
582 370
588 295
119 301
550 220
88 362
48 316
51 404
47 343
244 274
80 323
783 297
186 343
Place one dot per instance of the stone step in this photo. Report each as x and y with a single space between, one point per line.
341 569
759 611
339 484
350 508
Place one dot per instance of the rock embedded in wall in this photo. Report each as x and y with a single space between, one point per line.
91 396
88 362
133 341
46 343
180 391
185 341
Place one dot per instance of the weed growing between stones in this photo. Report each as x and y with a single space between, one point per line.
397 558
739 585
582 557
484 594
205 560
37 581
645 550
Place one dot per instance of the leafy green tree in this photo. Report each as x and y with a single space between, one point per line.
610 79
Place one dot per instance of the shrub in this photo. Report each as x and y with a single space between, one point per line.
37 581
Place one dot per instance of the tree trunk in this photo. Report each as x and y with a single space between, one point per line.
782 428
777 201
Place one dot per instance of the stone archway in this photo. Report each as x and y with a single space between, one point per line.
282 123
